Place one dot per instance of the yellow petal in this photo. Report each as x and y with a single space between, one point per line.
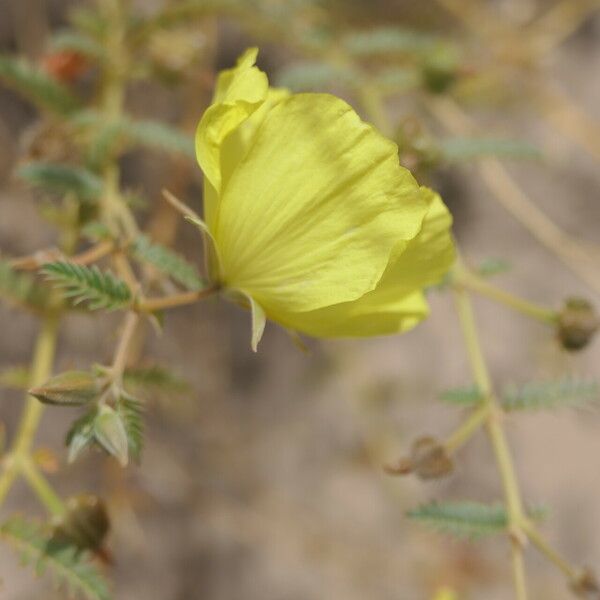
359 318
312 213
397 303
240 91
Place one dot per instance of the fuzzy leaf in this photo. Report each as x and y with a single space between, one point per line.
74 41
466 396
569 391
459 149
62 179
131 412
493 266
70 567
36 85
125 133
88 284
466 519
155 379
387 40
315 76
21 289
167 261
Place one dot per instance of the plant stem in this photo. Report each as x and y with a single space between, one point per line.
542 545
41 368
468 428
41 487
154 304
474 283
498 441
514 199
120 359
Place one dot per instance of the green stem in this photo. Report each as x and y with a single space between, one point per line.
41 368
41 487
498 441
542 545
464 278
468 428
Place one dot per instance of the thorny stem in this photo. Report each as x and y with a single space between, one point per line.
41 368
470 281
498 441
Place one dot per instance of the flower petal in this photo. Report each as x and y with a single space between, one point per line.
312 213
240 91
397 303
360 318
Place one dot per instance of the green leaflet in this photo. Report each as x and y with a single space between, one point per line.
36 85
70 567
99 289
167 261
62 179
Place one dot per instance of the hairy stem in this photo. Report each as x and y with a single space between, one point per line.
468 428
497 439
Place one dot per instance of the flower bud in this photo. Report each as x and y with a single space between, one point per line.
84 524
72 388
585 585
577 323
428 459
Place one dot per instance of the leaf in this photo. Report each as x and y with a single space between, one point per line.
568 391
466 519
100 289
62 179
387 40
167 261
493 266
127 133
155 378
95 231
16 378
465 396
459 149
36 85
75 41
131 412
111 434
71 388
81 434
316 76
21 289
71 568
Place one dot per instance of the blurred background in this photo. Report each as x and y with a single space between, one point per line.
262 476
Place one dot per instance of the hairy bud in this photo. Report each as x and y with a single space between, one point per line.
577 323
585 585
85 523
72 388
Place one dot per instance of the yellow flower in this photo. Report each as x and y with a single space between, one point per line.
313 222
445 593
